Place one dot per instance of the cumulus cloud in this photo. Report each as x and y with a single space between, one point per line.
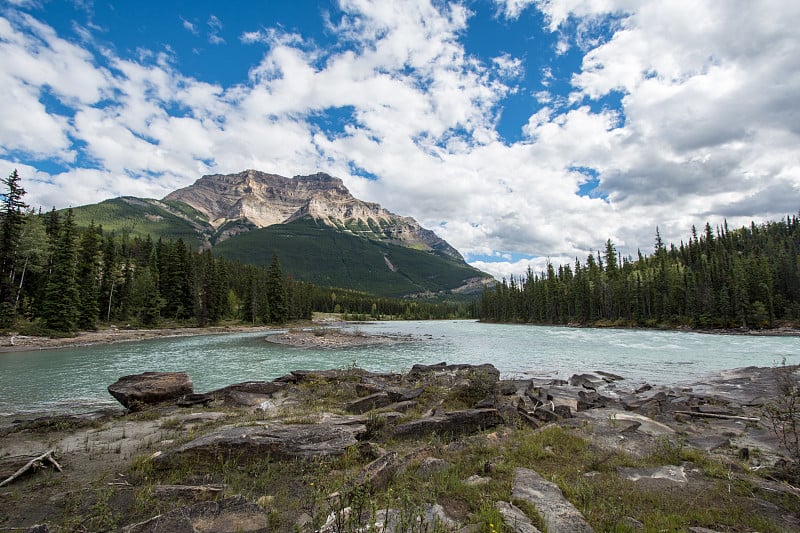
706 126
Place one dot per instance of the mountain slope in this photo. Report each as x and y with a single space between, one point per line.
317 253
320 232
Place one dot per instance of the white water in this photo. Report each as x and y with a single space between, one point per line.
75 379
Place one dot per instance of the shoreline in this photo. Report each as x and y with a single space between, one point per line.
23 343
297 337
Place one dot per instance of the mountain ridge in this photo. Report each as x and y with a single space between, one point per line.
264 199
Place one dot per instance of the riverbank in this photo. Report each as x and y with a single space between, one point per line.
442 447
298 333
19 343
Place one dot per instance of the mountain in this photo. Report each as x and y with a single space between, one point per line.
320 232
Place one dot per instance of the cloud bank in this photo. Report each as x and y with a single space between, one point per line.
679 113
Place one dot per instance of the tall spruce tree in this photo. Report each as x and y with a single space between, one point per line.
89 277
60 306
276 293
13 218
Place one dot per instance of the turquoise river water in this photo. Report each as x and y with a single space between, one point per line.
75 379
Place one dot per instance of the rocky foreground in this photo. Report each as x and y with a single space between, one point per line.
441 448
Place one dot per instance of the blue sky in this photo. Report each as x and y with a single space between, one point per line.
521 131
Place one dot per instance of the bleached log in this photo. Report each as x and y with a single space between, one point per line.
715 415
36 462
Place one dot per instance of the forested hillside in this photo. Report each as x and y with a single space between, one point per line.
747 277
58 278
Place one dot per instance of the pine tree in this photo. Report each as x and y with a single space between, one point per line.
88 278
276 293
11 224
60 306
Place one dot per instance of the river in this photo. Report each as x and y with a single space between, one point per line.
75 379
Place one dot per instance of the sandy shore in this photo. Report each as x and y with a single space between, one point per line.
17 343
322 333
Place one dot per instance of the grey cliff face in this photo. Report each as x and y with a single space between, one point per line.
259 199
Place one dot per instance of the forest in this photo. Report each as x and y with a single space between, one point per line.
720 279
56 278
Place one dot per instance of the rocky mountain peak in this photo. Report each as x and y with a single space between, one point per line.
255 198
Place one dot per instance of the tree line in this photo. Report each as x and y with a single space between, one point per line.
56 277
720 278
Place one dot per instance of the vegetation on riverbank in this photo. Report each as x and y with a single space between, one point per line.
747 278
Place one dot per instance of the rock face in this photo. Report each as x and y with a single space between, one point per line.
137 390
257 199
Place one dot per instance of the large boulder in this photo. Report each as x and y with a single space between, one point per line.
138 390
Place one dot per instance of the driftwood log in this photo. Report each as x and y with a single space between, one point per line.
34 464
716 415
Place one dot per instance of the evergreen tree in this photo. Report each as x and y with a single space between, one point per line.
88 278
276 293
13 219
60 306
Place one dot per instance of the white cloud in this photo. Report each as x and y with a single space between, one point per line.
189 26
707 129
214 29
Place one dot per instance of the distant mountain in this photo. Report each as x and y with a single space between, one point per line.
321 232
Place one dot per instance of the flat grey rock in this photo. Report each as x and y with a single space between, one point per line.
673 473
559 515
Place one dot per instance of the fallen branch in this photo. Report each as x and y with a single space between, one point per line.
197 491
715 415
34 463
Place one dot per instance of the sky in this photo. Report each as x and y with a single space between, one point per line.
520 131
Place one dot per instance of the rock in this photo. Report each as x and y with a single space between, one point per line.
608 376
368 403
644 388
402 407
274 440
246 394
591 400
559 515
417 371
673 473
137 390
587 381
230 515
453 423
377 474
476 481
432 465
515 518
